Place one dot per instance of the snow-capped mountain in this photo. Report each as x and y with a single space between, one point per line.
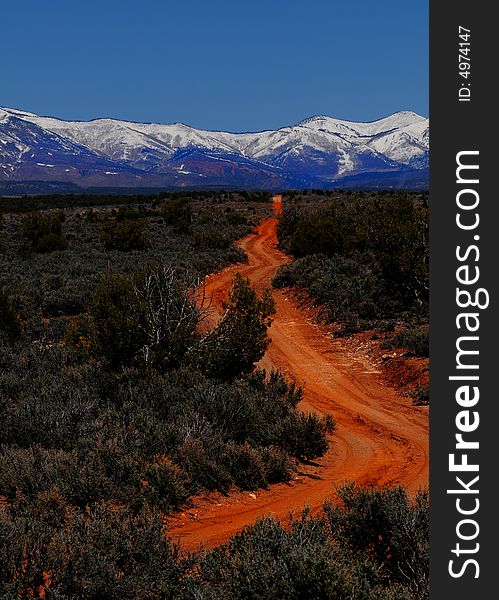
320 152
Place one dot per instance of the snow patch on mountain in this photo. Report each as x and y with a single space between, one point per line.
319 149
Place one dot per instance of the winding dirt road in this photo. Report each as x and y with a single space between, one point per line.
380 438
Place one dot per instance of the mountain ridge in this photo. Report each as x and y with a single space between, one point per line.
317 152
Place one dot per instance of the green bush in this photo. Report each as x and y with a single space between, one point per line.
240 338
125 235
149 319
177 213
10 324
416 340
304 435
42 233
384 524
110 328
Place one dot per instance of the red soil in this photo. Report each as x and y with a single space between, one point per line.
277 200
381 438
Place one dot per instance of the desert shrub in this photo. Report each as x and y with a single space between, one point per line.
245 465
125 235
152 319
103 436
109 329
235 218
127 213
309 558
97 416
320 231
204 466
91 457
10 325
42 233
371 547
170 309
32 471
420 395
266 561
177 213
214 229
62 299
352 292
101 553
277 464
384 524
29 471
165 483
148 319
304 435
48 410
45 283
212 237
416 340
365 259
240 338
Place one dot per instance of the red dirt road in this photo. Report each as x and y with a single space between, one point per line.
380 438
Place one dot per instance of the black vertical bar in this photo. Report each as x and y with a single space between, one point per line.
458 125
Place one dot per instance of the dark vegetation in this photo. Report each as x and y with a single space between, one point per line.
240 338
10 324
125 233
105 238
416 341
364 258
117 405
420 395
108 369
373 547
21 204
114 397
42 233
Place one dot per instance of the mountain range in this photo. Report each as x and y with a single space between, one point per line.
320 152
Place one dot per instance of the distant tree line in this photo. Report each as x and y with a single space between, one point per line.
22 204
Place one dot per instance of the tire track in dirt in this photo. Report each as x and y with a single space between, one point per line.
380 437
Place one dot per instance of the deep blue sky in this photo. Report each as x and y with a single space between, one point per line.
215 64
